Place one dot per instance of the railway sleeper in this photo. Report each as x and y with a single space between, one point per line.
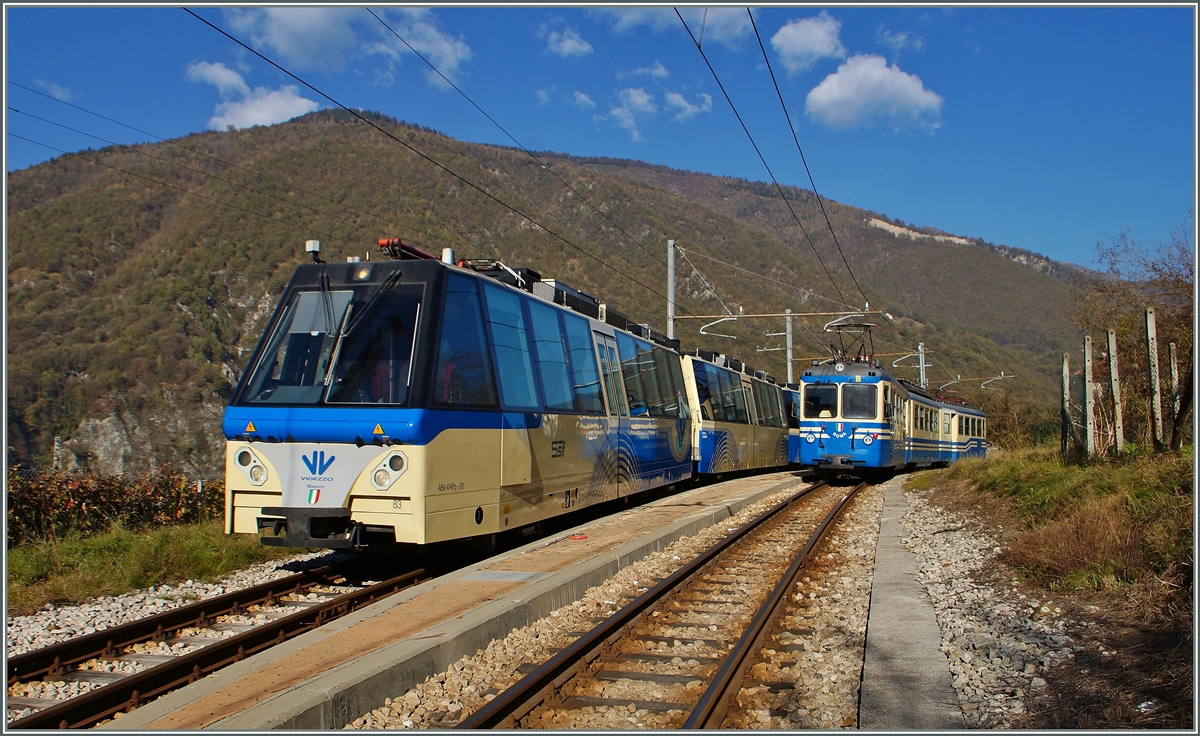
666 679
576 702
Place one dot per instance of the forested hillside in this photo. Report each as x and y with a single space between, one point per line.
139 278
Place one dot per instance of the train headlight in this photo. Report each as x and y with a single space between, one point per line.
388 470
868 440
248 463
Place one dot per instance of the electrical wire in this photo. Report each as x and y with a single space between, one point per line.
428 158
802 290
802 159
529 153
760 155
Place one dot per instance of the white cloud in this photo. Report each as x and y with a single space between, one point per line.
686 109
227 81
635 103
567 43
262 107
57 91
583 102
729 26
420 28
304 37
897 42
259 106
802 42
865 89
542 96
658 71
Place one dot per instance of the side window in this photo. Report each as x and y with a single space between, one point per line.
634 393
514 361
726 380
550 349
648 369
739 399
946 424
463 377
583 365
672 391
705 395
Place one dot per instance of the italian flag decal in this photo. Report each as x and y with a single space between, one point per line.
314 494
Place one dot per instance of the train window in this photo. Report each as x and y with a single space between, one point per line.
820 401
738 393
703 394
583 365
514 361
945 424
634 393
650 379
292 369
550 349
791 407
726 381
859 401
373 363
464 369
670 383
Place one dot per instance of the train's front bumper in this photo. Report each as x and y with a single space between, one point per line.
309 527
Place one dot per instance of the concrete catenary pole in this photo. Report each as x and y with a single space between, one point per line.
1118 424
670 289
1089 401
1171 358
921 359
1155 388
789 346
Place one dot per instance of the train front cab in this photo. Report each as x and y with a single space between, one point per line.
459 407
851 419
739 421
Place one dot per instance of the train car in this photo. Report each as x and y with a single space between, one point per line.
852 418
417 401
738 416
857 419
942 430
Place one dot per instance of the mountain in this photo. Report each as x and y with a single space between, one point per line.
140 278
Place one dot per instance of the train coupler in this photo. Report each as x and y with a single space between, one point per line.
323 528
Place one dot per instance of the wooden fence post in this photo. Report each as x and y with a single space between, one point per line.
1066 404
1118 428
1089 401
1155 388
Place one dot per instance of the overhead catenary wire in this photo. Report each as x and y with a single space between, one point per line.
803 160
540 162
760 156
430 159
800 289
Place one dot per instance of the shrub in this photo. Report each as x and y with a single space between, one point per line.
48 505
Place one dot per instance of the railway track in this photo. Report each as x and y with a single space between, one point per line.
683 650
120 668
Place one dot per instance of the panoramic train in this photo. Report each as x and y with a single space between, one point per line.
857 419
417 400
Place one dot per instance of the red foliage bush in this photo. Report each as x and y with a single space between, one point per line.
46 505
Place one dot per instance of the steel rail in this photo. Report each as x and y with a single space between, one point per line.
129 692
58 658
509 706
710 710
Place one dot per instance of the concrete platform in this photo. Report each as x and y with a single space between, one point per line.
906 677
330 676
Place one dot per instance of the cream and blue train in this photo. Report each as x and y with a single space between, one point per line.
857 419
418 401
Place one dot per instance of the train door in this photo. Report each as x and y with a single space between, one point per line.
618 423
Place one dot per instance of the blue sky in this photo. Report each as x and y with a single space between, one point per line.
1041 128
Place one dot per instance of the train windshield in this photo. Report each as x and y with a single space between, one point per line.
292 369
858 401
820 401
326 347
